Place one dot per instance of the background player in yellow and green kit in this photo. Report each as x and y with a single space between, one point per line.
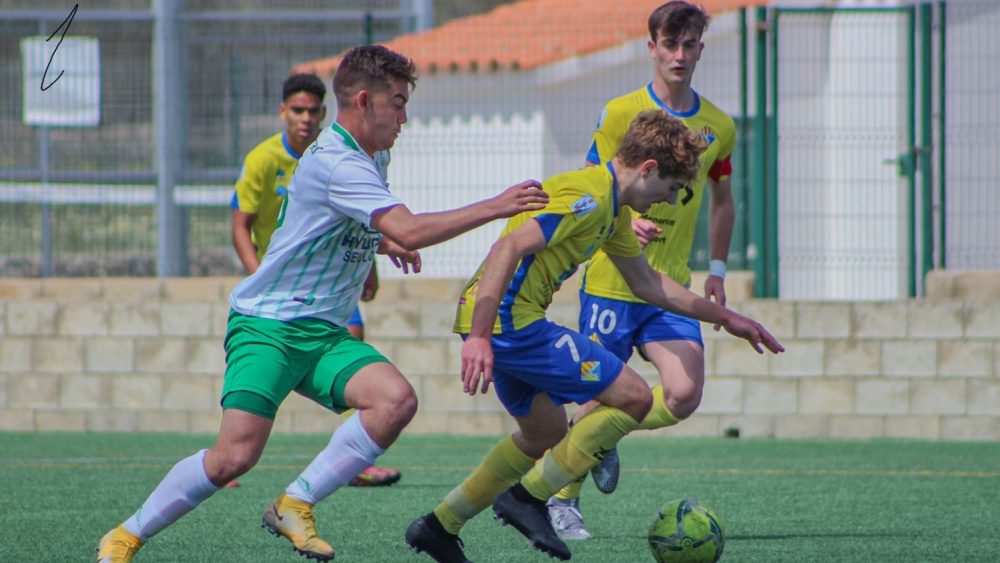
538 366
261 189
609 310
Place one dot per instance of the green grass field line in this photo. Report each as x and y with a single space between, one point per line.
780 500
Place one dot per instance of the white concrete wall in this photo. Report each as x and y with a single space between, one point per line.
146 355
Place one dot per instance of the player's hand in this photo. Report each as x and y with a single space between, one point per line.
370 288
525 196
715 289
477 365
753 332
401 258
645 230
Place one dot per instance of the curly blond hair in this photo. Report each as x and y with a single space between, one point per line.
655 135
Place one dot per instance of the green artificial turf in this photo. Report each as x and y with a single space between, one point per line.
780 500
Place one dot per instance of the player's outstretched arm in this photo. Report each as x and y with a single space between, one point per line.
415 231
502 260
662 291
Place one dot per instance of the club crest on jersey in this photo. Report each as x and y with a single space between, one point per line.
590 371
584 205
708 135
280 191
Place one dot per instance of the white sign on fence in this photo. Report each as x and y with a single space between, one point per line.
61 81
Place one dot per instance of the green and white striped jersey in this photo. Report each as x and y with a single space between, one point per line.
324 245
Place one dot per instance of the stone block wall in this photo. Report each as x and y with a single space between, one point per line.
146 355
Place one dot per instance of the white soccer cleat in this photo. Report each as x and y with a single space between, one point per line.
567 520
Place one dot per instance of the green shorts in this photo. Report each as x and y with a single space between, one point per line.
271 358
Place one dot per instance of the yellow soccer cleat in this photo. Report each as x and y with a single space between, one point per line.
293 519
118 546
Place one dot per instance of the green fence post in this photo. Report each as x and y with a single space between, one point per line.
911 180
926 135
743 158
758 182
942 136
771 205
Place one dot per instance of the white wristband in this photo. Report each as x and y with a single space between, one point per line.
717 268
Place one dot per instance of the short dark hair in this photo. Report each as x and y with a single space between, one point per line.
309 83
371 67
675 18
654 134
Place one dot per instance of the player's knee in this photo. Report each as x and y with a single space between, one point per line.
399 405
638 402
231 463
684 400
538 440
685 406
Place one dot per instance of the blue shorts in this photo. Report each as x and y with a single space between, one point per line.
623 325
544 357
355 319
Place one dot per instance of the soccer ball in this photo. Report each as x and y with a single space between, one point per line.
686 531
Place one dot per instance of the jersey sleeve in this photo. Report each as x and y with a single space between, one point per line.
608 136
357 189
722 168
623 241
250 185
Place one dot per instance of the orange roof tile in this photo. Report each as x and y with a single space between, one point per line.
525 34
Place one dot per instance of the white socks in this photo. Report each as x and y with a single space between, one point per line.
350 450
184 487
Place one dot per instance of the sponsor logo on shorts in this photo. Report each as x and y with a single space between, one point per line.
590 371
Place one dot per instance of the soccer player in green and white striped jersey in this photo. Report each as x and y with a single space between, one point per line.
286 329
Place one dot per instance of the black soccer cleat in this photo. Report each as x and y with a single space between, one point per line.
427 535
528 515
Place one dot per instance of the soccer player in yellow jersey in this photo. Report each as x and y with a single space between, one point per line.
538 366
261 189
609 311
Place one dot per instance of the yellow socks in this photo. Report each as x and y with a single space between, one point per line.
574 455
659 416
500 469
572 490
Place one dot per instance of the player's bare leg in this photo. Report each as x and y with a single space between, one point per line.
374 475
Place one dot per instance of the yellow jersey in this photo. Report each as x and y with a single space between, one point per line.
583 215
262 186
669 251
